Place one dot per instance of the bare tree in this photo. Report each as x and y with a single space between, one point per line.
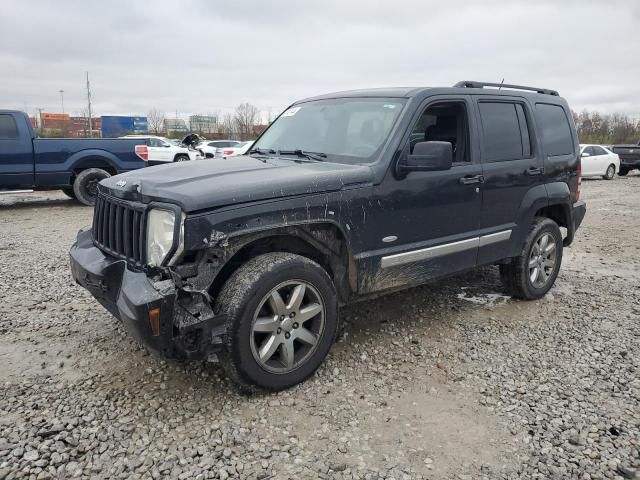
228 125
245 118
155 121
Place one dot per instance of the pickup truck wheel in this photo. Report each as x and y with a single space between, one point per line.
623 171
68 191
610 173
181 158
282 318
85 185
531 274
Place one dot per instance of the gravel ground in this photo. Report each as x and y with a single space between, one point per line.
452 380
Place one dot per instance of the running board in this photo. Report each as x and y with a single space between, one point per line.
15 191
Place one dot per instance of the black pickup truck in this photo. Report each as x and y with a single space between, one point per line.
73 165
344 196
629 157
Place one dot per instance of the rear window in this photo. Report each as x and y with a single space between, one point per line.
505 131
8 127
555 130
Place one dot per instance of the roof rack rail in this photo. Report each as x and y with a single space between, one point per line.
474 84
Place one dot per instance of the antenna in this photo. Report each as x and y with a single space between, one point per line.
89 105
501 83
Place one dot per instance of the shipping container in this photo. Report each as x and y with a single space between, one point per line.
117 126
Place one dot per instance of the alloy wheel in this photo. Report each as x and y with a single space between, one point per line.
542 260
287 326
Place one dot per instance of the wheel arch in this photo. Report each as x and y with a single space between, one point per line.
324 243
93 159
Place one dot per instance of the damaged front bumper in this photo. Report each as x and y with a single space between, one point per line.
171 322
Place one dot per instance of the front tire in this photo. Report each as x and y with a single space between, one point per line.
181 158
623 171
85 185
610 173
533 272
282 319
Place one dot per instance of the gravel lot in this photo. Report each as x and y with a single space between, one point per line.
452 380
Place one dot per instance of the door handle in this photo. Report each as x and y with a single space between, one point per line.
534 171
469 179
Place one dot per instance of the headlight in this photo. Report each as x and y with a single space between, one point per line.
160 229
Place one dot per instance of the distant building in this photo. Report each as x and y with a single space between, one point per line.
203 124
175 125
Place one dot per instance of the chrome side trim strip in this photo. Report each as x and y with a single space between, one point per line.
427 253
444 249
495 237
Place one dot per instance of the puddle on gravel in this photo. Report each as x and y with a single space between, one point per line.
489 299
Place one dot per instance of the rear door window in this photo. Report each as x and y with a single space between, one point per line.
8 128
599 150
505 131
555 130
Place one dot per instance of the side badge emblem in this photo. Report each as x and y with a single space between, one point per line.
121 183
389 239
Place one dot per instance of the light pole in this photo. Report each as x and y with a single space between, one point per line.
62 99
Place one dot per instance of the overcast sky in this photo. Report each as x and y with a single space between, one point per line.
207 57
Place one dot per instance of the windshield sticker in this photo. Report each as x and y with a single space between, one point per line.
389 106
291 112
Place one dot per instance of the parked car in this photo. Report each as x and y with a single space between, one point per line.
246 262
240 149
599 161
161 150
629 157
73 165
209 148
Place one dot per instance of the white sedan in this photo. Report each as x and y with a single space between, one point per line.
160 150
240 149
599 161
209 148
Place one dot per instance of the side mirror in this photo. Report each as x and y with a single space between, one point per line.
427 157
585 154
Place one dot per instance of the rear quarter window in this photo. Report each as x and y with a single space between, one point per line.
554 128
8 127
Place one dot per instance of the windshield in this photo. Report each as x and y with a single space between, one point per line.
346 130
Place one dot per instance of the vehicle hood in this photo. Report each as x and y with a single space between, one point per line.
205 184
192 140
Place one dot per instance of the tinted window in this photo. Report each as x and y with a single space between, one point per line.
588 150
554 129
501 132
598 150
8 127
154 142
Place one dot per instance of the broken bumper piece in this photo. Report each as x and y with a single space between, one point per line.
171 325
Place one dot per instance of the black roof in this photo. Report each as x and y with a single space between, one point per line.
469 86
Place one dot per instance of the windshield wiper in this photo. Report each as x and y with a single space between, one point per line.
263 151
317 156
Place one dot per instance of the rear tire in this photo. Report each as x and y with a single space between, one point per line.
623 171
181 158
610 173
85 185
68 191
262 327
533 272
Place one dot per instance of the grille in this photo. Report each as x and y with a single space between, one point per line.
119 228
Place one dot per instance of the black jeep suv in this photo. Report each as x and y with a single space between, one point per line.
345 195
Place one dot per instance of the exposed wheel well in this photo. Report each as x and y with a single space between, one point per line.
557 213
324 244
94 162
